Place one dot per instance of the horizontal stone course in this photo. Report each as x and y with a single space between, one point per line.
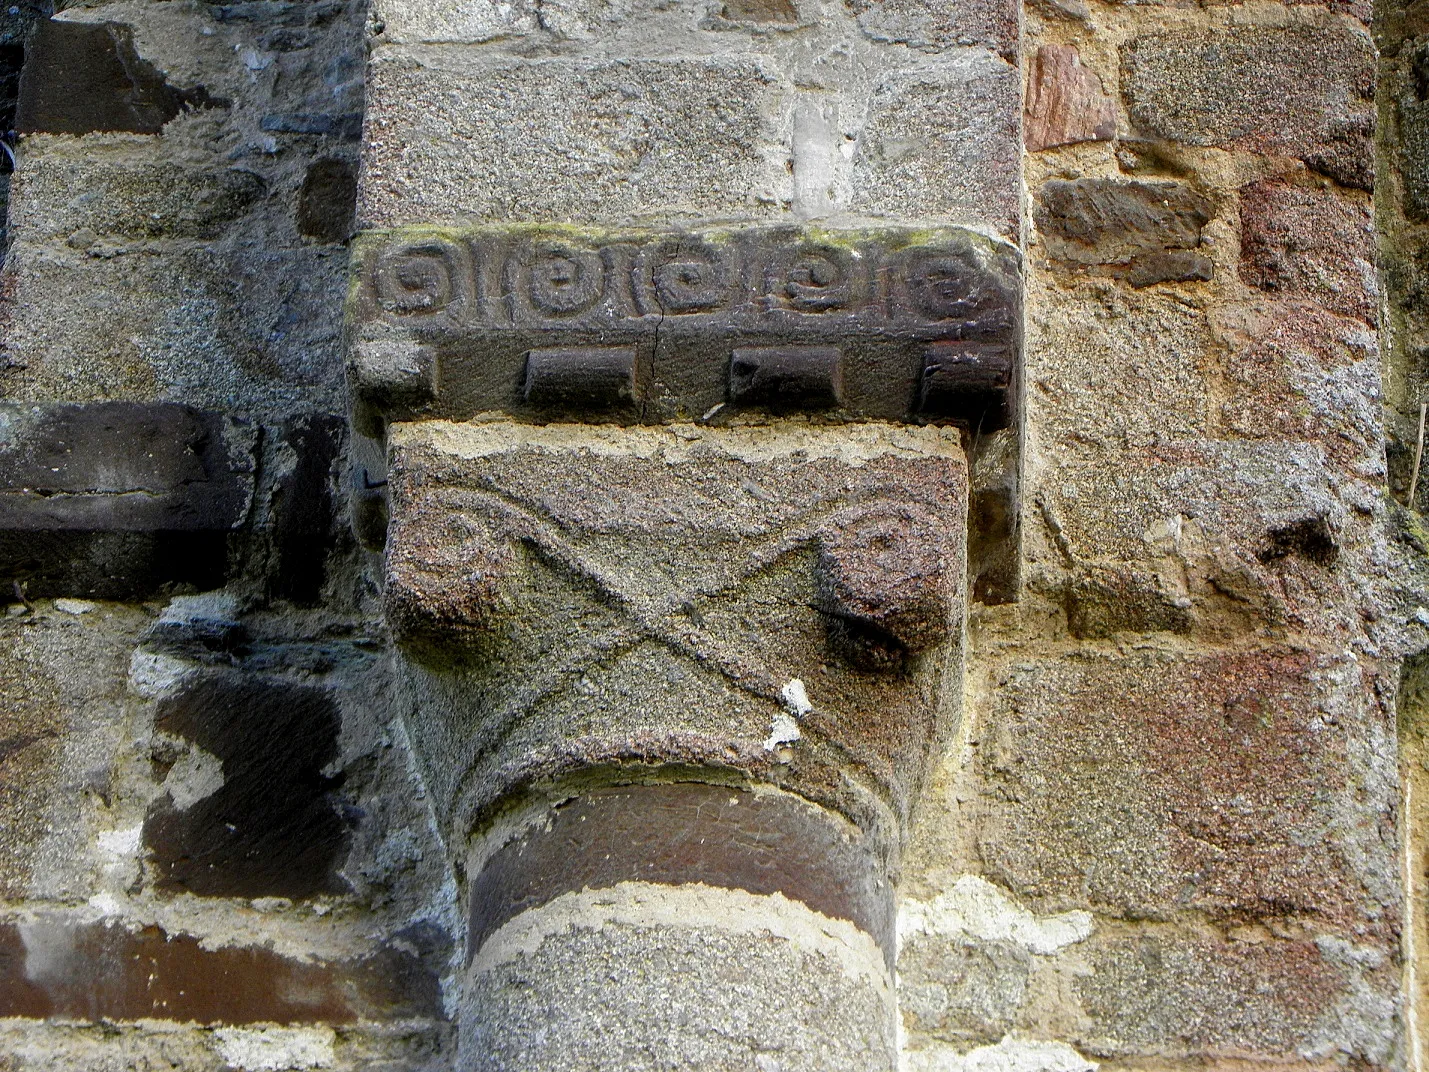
919 322
113 499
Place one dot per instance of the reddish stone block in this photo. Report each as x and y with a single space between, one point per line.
1192 995
1300 241
1301 373
1242 785
1065 102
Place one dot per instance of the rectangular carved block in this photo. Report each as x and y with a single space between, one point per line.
114 498
784 602
684 303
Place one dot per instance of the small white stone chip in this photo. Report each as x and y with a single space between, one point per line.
796 698
782 730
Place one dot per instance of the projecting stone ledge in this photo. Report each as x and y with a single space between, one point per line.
637 326
114 499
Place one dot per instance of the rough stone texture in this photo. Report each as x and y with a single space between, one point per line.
927 23
61 714
1066 103
1300 242
88 328
1151 229
942 142
457 137
1302 89
710 569
652 997
1297 372
1186 995
1244 786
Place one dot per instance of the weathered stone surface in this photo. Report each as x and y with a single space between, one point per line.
58 196
271 828
928 23
1133 368
55 966
943 142
1300 373
682 833
84 77
61 717
113 499
709 979
1304 89
460 324
1066 103
709 570
1302 242
1185 995
1244 785
205 325
961 989
455 137
1151 229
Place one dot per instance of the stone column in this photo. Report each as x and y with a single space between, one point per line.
676 498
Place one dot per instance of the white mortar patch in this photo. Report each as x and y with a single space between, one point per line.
121 843
979 909
264 1048
1009 1055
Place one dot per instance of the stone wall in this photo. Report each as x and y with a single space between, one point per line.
1174 811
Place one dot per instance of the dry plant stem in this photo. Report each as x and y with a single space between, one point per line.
1418 454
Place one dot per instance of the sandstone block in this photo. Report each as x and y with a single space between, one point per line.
1190 996
221 329
1301 242
452 136
1301 373
1152 230
1208 517
1135 368
1232 784
60 195
1305 89
943 142
1066 103
62 691
113 498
